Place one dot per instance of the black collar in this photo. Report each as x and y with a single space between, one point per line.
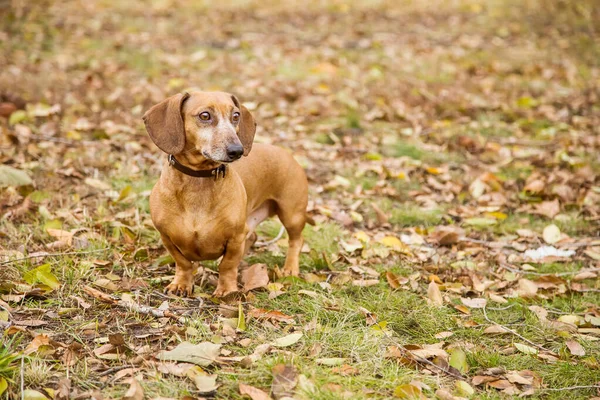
215 173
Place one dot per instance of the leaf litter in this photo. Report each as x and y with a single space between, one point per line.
455 197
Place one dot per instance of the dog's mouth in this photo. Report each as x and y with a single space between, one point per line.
228 161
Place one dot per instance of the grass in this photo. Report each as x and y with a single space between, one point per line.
423 110
411 215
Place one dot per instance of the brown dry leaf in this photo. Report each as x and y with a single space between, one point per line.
254 277
62 236
252 392
63 389
527 288
495 329
516 377
575 348
474 302
549 209
365 282
500 384
285 379
535 186
428 350
273 315
135 391
345 370
41 343
394 280
435 295
382 218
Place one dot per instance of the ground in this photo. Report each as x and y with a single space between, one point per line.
446 143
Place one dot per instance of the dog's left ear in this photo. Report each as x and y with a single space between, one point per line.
247 127
164 124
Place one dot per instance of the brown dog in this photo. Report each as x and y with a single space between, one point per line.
205 205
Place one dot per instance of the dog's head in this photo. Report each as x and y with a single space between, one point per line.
206 126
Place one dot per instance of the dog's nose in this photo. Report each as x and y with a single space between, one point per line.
235 151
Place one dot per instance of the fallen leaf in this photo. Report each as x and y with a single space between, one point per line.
135 391
464 389
434 294
394 280
495 329
29 394
288 340
330 361
515 377
575 348
474 303
345 370
551 234
273 315
458 360
10 176
285 379
204 382
549 209
523 348
202 354
527 288
252 392
42 274
3 385
407 391
254 277
500 384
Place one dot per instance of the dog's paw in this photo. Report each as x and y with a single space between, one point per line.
180 289
289 272
222 291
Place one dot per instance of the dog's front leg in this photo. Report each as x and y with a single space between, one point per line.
228 268
183 283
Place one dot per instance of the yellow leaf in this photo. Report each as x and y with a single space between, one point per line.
407 392
362 236
394 243
497 215
3 385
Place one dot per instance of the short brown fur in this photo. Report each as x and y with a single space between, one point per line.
203 218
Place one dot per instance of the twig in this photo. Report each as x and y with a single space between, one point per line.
147 310
513 332
519 271
501 244
113 369
270 242
22 377
419 359
569 388
68 253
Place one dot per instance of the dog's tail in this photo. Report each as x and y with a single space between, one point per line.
310 220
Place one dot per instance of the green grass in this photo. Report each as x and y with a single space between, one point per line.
412 215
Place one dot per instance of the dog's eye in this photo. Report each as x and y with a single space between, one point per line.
235 117
204 116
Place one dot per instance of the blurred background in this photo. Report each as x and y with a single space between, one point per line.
442 139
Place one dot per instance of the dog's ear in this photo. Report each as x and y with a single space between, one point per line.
164 124
247 127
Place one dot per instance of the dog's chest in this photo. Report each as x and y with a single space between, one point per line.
199 237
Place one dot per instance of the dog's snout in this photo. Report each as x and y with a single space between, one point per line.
235 151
